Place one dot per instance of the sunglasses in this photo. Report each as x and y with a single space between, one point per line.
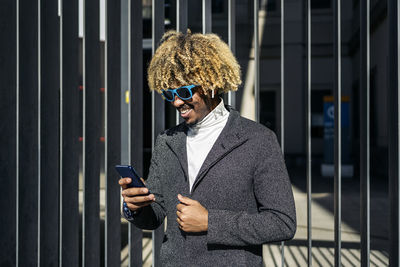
184 93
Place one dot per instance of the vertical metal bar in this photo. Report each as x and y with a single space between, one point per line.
282 101
181 15
39 126
28 134
136 115
50 126
112 57
131 239
69 133
125 83
17 138
232 25
8 129
91 135
256 63
393 132
308 133
338 136
158 111
206 16
282 91
232 41
181 26
365 131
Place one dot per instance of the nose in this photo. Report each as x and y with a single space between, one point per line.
177 102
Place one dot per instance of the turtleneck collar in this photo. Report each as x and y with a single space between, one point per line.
216 116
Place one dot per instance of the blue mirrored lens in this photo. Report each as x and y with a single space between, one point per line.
184 93
168 95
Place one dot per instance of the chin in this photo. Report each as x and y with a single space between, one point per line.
190 122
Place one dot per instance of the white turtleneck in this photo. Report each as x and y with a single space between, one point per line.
202 136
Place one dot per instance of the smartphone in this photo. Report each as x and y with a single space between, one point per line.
129 171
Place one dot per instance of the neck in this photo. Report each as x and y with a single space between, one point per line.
212 102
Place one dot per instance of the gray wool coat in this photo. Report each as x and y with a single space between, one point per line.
244 185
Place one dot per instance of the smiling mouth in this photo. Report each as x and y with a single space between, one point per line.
185 110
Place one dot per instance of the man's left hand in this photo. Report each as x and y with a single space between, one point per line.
192 216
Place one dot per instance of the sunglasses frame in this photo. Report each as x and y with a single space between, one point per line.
175 93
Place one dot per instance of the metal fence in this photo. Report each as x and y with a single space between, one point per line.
40 106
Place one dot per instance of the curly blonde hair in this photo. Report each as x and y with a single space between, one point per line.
200 59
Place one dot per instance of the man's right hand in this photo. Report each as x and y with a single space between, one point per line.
135 197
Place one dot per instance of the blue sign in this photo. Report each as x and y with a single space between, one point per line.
329 130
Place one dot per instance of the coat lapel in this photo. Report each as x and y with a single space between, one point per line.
230 138
177 143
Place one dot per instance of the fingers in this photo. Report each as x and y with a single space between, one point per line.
123 182
135 197
180 222
137 200
186 200
180 207
180 215
134 191
134 207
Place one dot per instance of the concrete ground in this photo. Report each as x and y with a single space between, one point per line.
295 251
322 213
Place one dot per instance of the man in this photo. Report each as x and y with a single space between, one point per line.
218 178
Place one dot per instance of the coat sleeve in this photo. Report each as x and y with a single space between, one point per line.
152 216
276 216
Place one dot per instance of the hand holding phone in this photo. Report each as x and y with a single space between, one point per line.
135 193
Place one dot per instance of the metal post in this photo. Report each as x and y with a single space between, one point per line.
232 42
8 122
28 135
282 91
393 133
256 63
181 26
282 128
91 135
69 133
181 15
158 112
338 140
206 16
39 127
17 139
125 84
112 250
365 131
308 134
49 128
136 116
